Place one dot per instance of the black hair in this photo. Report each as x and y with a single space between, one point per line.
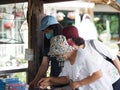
57 29
78 41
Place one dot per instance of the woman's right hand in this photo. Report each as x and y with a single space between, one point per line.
33 84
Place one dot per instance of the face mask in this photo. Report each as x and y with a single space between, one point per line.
49 35
70 42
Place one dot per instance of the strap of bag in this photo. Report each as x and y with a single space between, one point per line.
104 56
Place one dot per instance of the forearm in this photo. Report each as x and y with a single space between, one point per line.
41 73
117 64
42 69
90 79
59 80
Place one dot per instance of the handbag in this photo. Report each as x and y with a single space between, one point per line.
116 85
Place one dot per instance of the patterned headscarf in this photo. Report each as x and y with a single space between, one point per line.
59 46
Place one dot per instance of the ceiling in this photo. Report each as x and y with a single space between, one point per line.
12 1
112 3
77 5
17 1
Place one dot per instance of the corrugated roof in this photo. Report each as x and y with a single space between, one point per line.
104 8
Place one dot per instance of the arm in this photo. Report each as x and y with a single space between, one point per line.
59 80
45 82
42 69
117 64
108 52
90 79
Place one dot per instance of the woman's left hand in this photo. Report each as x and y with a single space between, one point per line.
75 85
44 83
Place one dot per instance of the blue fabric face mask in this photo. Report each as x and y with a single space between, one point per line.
49 35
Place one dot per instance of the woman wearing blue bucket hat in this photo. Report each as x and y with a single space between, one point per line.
51 27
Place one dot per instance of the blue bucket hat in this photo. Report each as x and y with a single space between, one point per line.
47 21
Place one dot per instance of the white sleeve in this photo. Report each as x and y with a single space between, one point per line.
101 47
65 69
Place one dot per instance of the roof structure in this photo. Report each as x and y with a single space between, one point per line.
113 3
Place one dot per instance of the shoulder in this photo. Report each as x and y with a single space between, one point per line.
98 42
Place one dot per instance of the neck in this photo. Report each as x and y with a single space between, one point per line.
72 57
81 46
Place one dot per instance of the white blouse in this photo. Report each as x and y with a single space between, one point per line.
86 63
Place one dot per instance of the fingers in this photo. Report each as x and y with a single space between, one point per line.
43 86
40 81
43 83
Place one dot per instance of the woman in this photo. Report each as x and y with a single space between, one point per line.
80 67
50 27
73 33
75 40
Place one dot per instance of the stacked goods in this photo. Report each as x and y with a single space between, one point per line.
12 84
2 84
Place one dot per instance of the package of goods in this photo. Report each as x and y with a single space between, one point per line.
12 84
2 84
16 87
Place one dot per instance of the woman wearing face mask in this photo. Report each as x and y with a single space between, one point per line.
50 27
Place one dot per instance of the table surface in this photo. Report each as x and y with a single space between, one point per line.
13 69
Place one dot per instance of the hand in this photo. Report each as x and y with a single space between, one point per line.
44 83
33 84
75 85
